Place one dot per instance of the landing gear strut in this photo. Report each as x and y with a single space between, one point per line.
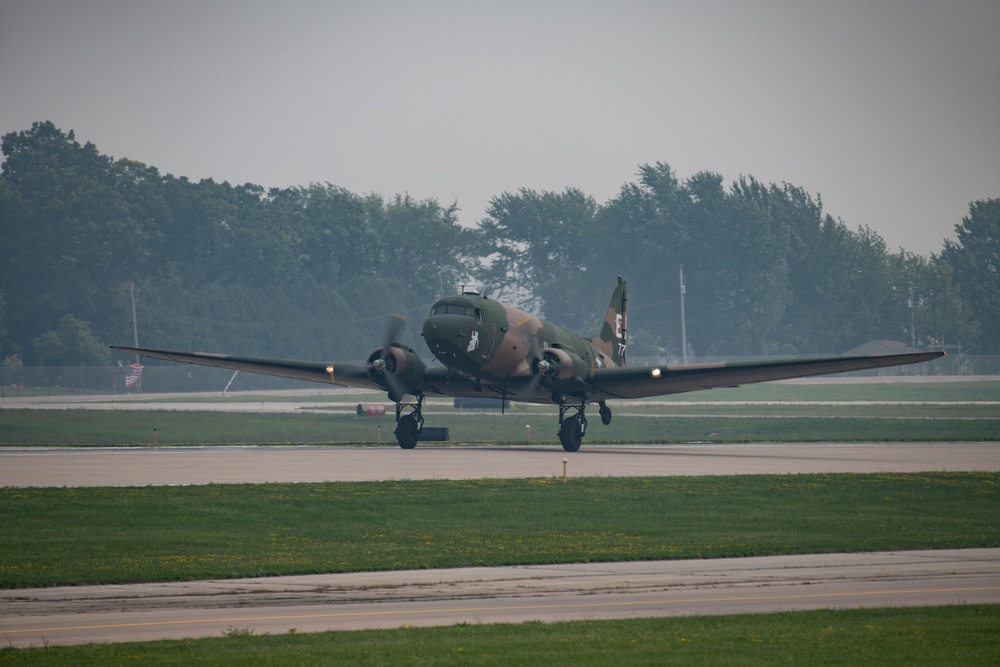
572 428
409 426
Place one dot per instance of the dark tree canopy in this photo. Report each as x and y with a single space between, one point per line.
308 271
312 271
974 259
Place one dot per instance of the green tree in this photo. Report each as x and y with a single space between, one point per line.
837 277
737 263
339 243
421 245
66 245
72 343
643 234
974 258
312 271
539 243
926 310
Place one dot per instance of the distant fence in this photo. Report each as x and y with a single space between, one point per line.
153 379
183 378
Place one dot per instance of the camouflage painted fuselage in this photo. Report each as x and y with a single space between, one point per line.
489 342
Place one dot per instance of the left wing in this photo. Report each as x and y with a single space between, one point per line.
641 382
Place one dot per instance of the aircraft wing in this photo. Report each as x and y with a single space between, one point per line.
607 383
644 382
640 382
349 374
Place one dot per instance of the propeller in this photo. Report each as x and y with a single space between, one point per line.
385 364
540 366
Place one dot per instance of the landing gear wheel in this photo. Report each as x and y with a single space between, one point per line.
408 426
605 413
407 431
571 434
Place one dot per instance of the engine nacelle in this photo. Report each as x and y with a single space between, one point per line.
558 364
397 360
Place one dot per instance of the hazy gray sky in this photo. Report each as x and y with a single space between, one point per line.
890 109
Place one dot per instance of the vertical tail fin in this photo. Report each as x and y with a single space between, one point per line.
614 336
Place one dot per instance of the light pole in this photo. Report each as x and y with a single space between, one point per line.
684 340
913 324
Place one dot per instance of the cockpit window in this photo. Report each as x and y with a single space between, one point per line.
468 311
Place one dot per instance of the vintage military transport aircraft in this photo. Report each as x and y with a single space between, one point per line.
489 349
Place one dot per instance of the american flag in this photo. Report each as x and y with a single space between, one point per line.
134 375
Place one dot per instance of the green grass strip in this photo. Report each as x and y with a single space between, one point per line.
956 635
55 536
674 424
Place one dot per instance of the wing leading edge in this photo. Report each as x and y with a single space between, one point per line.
607 383
350 374
644 382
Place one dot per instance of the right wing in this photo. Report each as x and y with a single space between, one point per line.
346 373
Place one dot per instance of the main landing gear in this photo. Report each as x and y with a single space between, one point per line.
572 423
409 426
573 426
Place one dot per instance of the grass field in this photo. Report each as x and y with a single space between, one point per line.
119 535
90 535
133 428
882 637
776 412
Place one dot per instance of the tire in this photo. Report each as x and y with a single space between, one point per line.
605 416
407 432
571 434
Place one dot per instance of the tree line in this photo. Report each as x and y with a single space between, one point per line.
312 271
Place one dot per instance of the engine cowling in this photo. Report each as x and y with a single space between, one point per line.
402 362
557 364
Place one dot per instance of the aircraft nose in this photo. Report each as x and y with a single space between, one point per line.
433 331
447 334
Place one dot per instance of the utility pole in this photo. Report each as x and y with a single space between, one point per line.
684 339
913 324
135 323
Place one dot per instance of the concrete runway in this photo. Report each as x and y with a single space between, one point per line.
37 617
35 466
142 612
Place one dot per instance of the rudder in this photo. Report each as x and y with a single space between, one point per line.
614 332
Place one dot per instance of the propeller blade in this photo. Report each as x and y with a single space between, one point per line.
535 354
394 326
396 388
528 391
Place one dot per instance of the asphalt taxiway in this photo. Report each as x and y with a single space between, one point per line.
129 466
276 605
